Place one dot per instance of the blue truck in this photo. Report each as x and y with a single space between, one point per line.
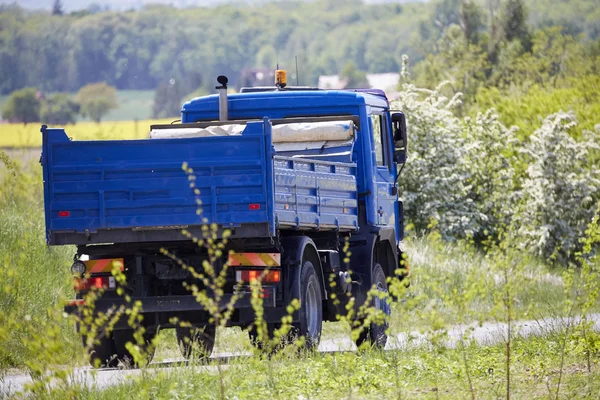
291 174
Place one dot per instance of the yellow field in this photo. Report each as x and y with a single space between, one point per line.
22 136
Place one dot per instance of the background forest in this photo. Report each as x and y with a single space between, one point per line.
177 52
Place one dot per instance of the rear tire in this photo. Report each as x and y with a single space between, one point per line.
376 334
196 343
256 341
310 313
120 340
102 353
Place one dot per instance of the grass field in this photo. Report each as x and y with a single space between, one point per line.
133 105
22 136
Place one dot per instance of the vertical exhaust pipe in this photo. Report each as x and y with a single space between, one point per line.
223 106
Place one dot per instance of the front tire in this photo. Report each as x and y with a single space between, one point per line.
310 321
375 334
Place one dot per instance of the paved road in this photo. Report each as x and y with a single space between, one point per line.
486 334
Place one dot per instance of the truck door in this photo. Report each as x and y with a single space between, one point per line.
385 197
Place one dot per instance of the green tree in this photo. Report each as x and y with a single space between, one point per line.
23 106
266 57
59 109
57 8
354 77
168 99
459 62
513 20
471 20
96 100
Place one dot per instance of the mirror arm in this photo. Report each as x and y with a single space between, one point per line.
398 174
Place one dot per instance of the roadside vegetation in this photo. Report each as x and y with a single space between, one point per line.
457 283
502 197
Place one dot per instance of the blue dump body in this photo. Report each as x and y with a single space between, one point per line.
134 190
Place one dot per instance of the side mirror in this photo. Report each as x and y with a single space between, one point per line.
400 137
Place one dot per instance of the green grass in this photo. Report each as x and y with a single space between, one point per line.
451 283
33 278
429 373
133 105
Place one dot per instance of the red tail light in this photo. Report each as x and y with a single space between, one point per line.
98 282
248 276
254 206
64 213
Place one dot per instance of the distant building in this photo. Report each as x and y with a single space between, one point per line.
257 77
387 82
331 82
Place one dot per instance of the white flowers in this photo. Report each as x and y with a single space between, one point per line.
472 176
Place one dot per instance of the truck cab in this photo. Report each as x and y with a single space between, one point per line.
299 186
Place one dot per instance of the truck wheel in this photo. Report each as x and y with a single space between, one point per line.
197 342
102 353
376 334
311 307
254 339
122 337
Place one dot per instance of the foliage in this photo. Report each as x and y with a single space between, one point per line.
59 109
32 281
140 49
167 99
57 8
459 172
492 179
561 190
353 77
461 63
454 288
96 100
23 106
514 23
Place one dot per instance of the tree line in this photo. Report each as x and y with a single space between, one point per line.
159 44
30 105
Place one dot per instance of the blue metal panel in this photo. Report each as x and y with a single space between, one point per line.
315 194
140 183
280 104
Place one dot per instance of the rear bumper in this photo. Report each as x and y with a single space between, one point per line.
162 304
151 234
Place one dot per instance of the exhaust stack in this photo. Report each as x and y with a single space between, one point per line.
223 106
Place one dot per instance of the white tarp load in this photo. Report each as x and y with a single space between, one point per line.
181 133
303 132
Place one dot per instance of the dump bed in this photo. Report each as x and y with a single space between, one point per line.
136 190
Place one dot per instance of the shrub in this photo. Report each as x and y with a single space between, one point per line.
60 109
96 100
560 190
491 175
22 106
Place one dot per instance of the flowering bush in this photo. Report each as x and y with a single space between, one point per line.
560 191
471 176
459 172
434 182
490 147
